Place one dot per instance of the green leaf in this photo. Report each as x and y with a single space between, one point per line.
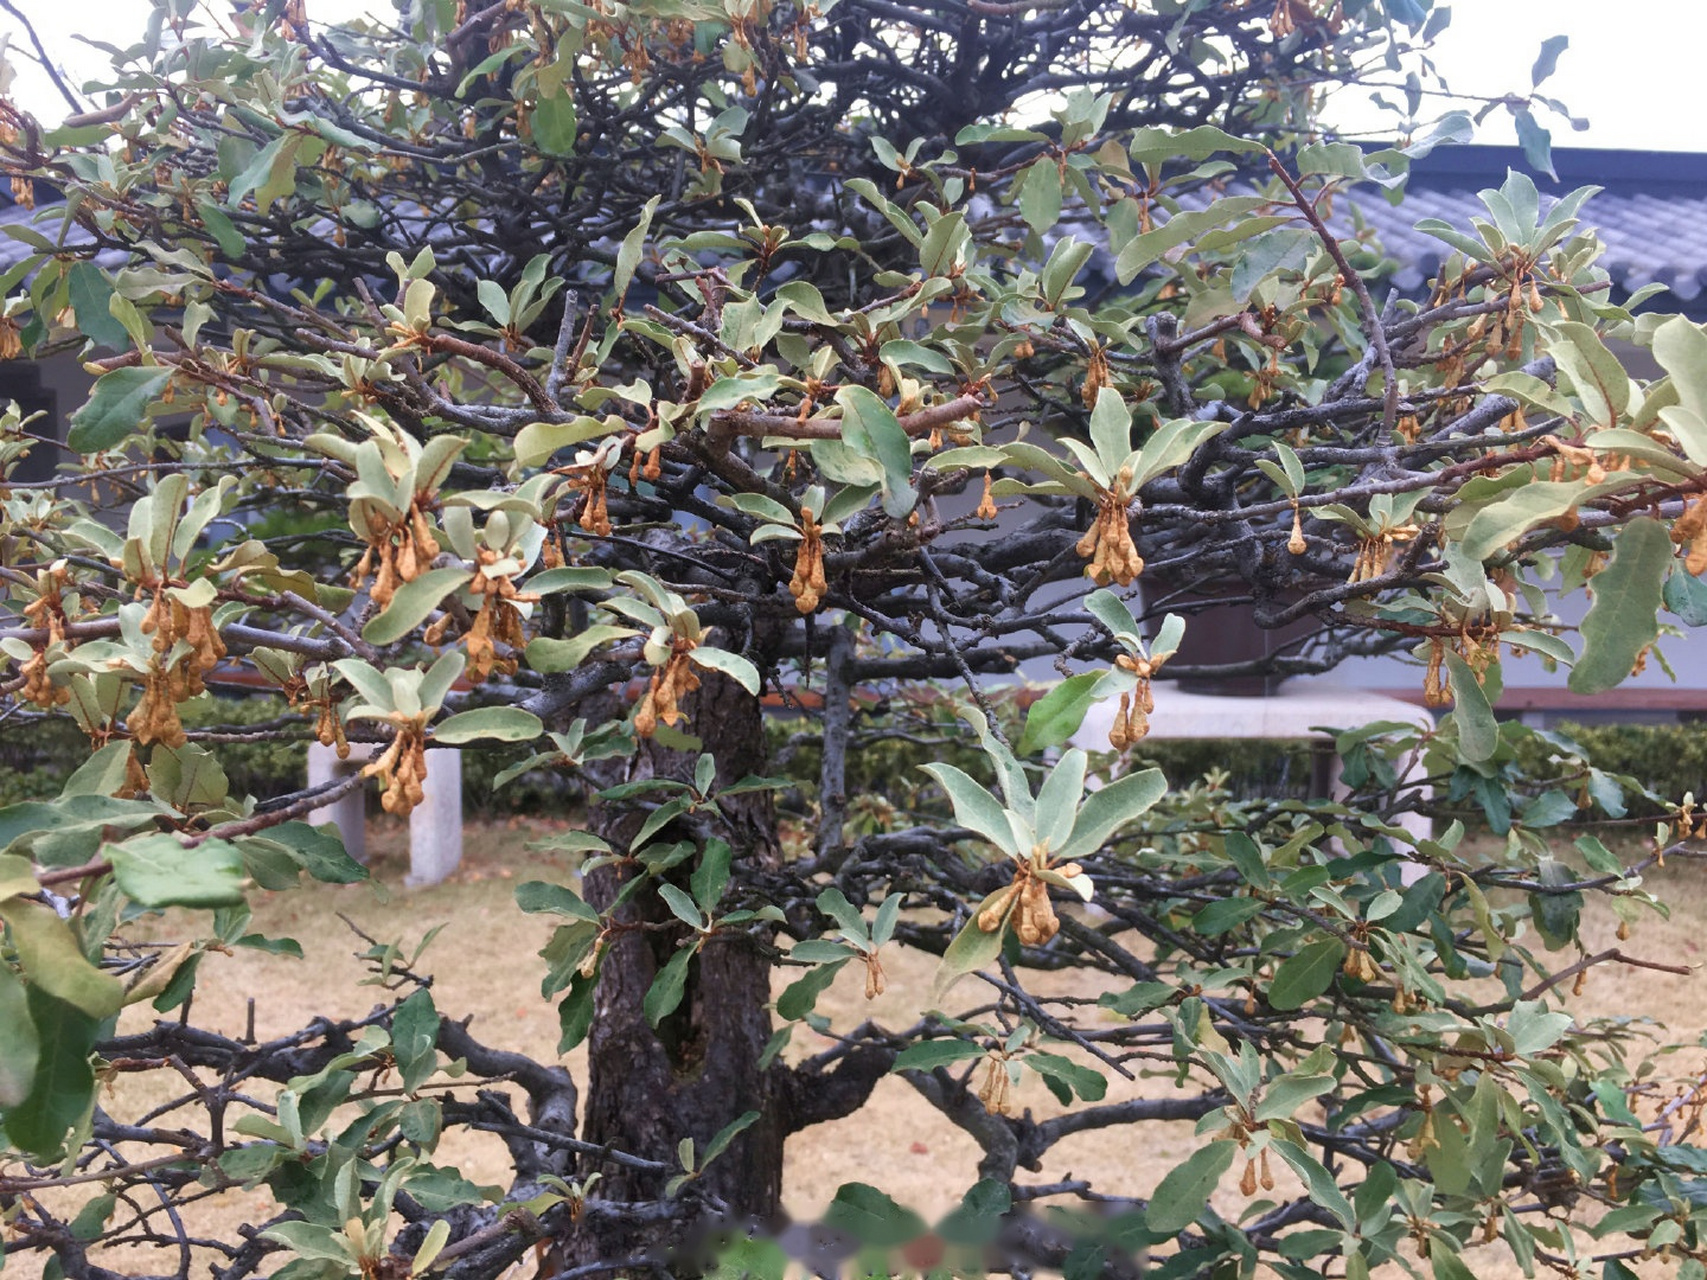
1686 596
1478 731
798 999
1533 1029
1600 381
413 602
90 294
312 1241
711 876
1226 914
1104 811
942 252
160 871
723 1137
975 807
977 1219
554 123
1155 145
1323 1190
536 442
871 1217
1548 58
667 988
1681 349
1307 974
1144 249
187 777
20 1047
1184 1193
414 1033
64 1087
438 1191
1039 195
540 897
575 1012
1283 1096
548 656
972 948
1624 618
488 724
102 773
633 245
869 427
927 1055
733 665
117 406
1514 514
1284 247
681 905
1089 1084
53 960
321 852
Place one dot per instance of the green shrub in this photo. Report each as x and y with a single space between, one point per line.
1670 759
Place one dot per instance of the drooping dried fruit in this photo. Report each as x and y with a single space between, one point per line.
662 699
397 552
402 767
808 584
993 1093
1296 544
1108 543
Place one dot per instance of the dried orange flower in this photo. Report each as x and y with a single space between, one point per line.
993 1093
403 769
1026 900
808 584
1132 721
1296 544
1691 528
662 699
874 977
403 550
1096 377
987 503
498 622
1108 543
38 687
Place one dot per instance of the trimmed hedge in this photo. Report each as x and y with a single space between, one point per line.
36 756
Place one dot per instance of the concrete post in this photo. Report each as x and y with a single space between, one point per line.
350 812
435 827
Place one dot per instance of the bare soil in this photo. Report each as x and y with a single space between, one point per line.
484 963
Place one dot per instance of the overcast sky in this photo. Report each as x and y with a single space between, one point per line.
1633 68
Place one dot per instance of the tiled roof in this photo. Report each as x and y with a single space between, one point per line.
1651 214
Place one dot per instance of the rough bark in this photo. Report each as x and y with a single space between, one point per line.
698 1070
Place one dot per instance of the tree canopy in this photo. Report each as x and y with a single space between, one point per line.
612 380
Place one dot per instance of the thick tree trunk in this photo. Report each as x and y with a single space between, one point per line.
699 1069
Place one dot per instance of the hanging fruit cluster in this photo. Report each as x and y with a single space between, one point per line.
669 686
186 645
497 622
46 611
403 550
1108 543
1026 901
998 1083
402 767
808 585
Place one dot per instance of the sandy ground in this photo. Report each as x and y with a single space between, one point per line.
484 961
